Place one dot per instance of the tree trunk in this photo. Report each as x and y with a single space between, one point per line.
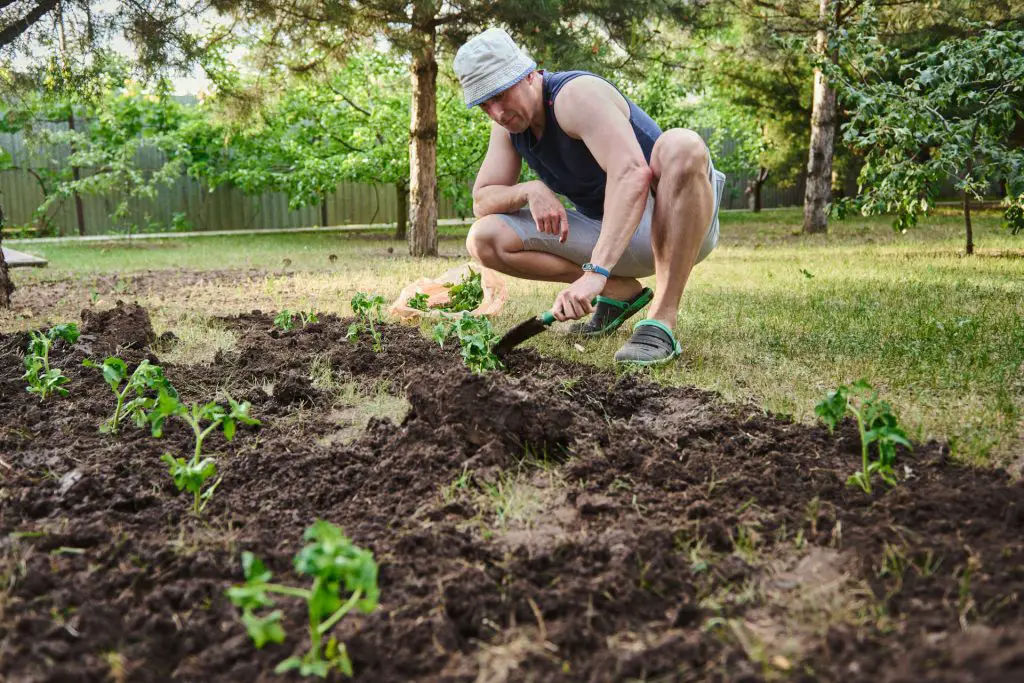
967 223
423 134
76 175
823 120
6 286
402 200
754 187
323 211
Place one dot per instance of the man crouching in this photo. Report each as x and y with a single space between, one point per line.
646 201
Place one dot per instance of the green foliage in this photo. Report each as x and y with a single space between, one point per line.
948 117
203 418
876 424
285 320
338 568
368 312
476 338
1013 217
418 301
145 380
41 378
123 121
467 294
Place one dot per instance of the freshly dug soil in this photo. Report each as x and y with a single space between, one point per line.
673 537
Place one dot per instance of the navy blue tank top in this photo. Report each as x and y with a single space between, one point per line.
565 164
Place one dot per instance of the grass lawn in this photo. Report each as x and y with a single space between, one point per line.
772 316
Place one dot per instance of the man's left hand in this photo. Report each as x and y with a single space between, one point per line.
574 301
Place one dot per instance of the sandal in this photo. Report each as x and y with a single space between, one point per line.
609 314
652 343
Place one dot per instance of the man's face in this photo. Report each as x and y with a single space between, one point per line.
512 108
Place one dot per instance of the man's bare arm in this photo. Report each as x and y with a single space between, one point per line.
496 189
592 110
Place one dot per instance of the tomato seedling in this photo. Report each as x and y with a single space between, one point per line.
41 378
367 310
876 424
476 338
337 567
146 378
192 474
467 295
285 320
418 301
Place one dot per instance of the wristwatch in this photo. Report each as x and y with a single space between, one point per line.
591 268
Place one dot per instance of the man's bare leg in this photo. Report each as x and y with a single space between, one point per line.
495 244
683 206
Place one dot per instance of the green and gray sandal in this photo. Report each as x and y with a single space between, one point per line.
652 343
609 314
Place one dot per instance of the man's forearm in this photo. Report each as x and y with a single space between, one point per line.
625 201
493 199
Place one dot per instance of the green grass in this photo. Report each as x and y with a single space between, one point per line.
941 335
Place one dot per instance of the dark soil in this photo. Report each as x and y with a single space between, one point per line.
676 525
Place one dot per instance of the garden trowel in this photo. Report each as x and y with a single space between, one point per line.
523 331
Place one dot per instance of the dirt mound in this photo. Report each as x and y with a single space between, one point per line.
483 409
295 389
550 523
126 326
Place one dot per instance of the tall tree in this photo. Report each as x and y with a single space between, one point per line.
818 192
305 34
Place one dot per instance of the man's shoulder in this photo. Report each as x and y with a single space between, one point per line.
583 95
570 81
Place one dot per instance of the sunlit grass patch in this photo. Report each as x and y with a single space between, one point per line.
197 338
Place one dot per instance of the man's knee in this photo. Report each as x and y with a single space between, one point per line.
487 239
679 152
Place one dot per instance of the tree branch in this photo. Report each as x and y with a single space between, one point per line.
12 32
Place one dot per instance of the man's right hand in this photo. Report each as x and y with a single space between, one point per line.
548 213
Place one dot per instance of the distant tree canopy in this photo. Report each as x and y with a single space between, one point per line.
949 117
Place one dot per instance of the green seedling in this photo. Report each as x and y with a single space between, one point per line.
41 378
467 295
192 474
418 301
147 378
337 568
285 320
876 424
476 337
367 310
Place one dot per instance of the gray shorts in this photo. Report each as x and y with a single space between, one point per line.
636 261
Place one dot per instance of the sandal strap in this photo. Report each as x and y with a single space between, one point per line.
617 303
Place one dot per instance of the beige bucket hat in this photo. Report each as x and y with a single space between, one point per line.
489 64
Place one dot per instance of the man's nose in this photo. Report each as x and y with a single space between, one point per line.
494 110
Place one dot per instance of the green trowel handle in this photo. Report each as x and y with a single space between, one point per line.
547 317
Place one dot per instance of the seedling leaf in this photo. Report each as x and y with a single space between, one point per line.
264 630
